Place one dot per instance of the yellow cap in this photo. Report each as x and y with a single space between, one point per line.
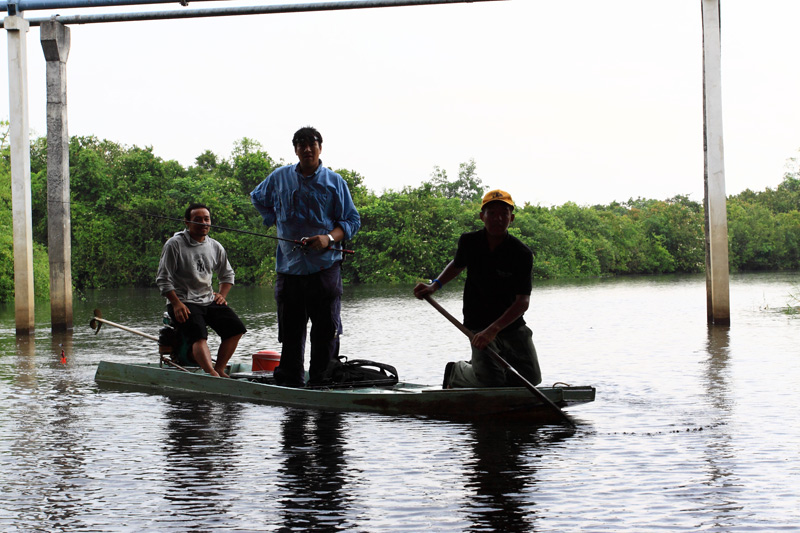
497 196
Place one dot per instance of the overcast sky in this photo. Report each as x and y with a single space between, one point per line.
588 101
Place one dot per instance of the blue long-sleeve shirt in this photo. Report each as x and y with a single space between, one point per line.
303 207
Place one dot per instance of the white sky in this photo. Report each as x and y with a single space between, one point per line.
587 101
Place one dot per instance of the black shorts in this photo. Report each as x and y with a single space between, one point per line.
220 318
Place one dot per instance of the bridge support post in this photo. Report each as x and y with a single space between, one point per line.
55 40
19 136
716 216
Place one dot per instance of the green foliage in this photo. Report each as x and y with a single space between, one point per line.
41 267
405 236
6 227
467 188
251 164
764 228
553 243
118 194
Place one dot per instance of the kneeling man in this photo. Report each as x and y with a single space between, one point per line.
496 295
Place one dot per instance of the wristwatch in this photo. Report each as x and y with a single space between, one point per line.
330 238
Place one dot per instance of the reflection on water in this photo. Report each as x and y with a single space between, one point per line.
720 485
197 443
311 476
503 479
694 427
717 385
47 432
24 368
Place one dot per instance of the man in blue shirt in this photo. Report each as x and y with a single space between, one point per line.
309 203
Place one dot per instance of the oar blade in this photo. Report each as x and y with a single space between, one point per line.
94 323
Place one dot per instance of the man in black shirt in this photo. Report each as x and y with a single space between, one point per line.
496 295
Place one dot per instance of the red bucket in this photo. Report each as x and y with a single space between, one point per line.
266 360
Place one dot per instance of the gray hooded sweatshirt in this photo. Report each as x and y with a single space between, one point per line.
187 266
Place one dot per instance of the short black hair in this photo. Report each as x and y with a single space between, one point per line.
306 134
188 213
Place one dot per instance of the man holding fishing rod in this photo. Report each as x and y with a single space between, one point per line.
311 204
188 261
496 295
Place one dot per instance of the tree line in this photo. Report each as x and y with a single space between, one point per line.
406 235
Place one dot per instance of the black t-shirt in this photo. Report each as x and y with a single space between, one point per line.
494 278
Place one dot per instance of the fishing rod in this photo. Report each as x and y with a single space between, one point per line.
299 243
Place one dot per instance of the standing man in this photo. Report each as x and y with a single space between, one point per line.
309 203
188 261
496 295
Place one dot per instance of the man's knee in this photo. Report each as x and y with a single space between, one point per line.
233 338
199 344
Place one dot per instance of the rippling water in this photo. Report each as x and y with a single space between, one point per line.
694 428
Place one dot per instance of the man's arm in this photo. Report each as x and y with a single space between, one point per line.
321 242
450 272
260 197
180 310
221 296
482 339
346 215
166 266
346 220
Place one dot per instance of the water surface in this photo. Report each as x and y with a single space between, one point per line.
694 428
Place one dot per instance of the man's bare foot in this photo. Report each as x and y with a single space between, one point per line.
213 373
221 373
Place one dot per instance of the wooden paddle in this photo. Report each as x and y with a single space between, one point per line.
96 322
497 357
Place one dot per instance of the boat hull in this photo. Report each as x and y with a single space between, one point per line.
400 399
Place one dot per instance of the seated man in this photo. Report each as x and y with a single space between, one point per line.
188 261
496 295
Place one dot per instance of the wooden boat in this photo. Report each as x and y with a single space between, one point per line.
390 397
402 398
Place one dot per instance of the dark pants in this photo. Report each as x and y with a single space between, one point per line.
220 318
317 297
515 346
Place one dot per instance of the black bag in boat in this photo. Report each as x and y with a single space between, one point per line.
356 373
340 374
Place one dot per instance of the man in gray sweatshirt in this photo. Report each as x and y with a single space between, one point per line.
188 261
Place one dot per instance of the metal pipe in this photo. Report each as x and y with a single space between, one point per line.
247 10
31 5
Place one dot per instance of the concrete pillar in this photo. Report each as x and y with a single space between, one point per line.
55 39
716 216
19 134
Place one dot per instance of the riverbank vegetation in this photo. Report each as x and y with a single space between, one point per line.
406 234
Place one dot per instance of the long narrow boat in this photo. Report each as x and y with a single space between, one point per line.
377 391
513 403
